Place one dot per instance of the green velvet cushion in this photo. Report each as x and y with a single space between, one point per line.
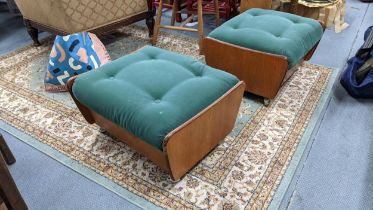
152 91
271 31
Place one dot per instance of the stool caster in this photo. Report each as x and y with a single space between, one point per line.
266 101
175 181
102 130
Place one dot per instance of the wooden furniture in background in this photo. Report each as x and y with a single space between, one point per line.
186 145
73 16
175 11
8 189
227 8
330 13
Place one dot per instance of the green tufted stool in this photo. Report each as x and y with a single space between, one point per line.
168 107
260 46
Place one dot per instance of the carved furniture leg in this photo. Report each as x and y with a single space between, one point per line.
5 151
33 32
150 18
150 23
8 189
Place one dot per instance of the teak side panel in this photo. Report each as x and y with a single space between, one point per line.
86 112
192 141
262 72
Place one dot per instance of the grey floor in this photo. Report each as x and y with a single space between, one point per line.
338 170
336 173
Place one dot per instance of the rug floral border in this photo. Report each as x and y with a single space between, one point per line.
260 198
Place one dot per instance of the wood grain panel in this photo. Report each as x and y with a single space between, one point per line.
262 72
192 141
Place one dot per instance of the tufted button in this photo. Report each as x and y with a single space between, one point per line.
157 101
112 77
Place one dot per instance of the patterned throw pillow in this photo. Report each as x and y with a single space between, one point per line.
72 55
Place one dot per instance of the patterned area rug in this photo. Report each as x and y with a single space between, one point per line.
242 173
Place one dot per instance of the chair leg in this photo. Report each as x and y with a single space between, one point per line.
179 18
33 32
200 26
157 23
5 151
150 18
175 9
234 9
8 189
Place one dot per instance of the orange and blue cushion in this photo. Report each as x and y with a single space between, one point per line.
72 55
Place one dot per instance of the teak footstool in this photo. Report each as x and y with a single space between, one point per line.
259 47
172 109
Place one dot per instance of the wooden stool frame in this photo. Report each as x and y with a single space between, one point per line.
175 11
262 72
8 190
187 144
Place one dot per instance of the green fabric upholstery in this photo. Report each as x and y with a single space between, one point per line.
152 91
271 31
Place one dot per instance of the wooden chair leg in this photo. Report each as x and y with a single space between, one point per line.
150 18
200 26
157 23
175 9
217 12
5 151
33 32
8 189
